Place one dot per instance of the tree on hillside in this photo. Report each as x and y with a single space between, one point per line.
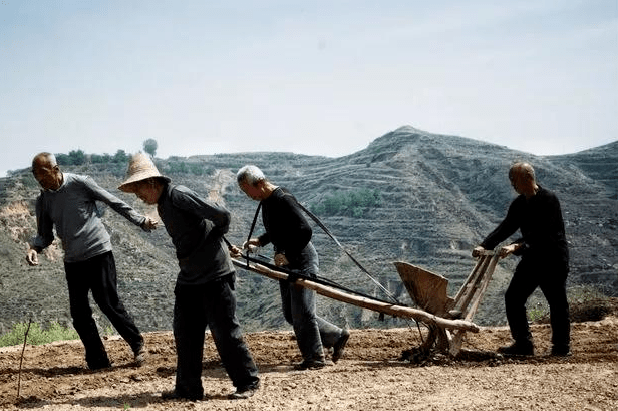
120 157
151 146
100 159
74 158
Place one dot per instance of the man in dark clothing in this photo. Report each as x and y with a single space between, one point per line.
290 233
205 295
68 202
544 261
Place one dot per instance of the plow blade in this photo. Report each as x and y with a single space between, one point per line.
427 289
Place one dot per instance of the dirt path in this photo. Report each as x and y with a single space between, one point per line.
369 377
221 180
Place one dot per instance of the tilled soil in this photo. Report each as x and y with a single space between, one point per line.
371 376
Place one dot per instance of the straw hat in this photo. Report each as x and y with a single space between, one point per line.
140 168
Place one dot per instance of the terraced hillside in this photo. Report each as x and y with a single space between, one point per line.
434 198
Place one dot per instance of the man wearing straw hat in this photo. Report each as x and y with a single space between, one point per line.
205 295
67 201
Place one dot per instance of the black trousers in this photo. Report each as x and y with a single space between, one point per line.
98 275
551 278
209 305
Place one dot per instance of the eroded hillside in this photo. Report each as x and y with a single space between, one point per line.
438 197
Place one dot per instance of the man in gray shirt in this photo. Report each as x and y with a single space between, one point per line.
68 202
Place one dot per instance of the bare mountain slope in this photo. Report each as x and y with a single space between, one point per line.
436 197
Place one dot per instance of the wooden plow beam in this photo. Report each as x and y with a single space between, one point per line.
429 292
394 310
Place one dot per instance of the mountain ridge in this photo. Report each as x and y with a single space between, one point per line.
438 197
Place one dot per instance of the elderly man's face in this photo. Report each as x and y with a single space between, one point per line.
147 191
48 176
255 193
517 182
522 182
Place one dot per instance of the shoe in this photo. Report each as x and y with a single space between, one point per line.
175 395
99 365
339 346
311 365
561 351
517 349
139 355
242 393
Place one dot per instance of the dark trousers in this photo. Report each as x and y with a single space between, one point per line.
530 274
98 275
299 309
209 305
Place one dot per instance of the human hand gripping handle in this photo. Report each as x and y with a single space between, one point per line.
149 224
251 245
281 260
478 251
235 251
503 252
508 249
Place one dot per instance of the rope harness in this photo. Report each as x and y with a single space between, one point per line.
293 275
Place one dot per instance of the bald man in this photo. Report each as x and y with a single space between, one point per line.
67 201
544 261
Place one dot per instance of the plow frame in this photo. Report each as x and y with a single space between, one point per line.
448 319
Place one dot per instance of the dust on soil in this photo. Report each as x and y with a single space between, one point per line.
370 376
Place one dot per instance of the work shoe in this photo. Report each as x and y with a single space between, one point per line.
175 395
99 367
139 355
339 346
560 351
242 393
100 364
517 349
311 365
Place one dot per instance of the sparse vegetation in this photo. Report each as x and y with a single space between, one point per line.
350 203
417 206
74 158
586 303
37 335
78 157
100 159
182 167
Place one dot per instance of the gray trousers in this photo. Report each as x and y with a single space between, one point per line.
312 332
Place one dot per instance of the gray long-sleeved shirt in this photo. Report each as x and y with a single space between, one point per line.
197 228
72 209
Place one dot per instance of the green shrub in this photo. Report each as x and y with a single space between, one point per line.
37 335
100 159
587 302
120 157
177 167
74 158
348 203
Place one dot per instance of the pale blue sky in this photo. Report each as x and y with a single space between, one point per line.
321 77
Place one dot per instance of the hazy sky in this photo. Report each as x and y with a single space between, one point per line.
321 77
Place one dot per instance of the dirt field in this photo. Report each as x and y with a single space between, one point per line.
369 377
